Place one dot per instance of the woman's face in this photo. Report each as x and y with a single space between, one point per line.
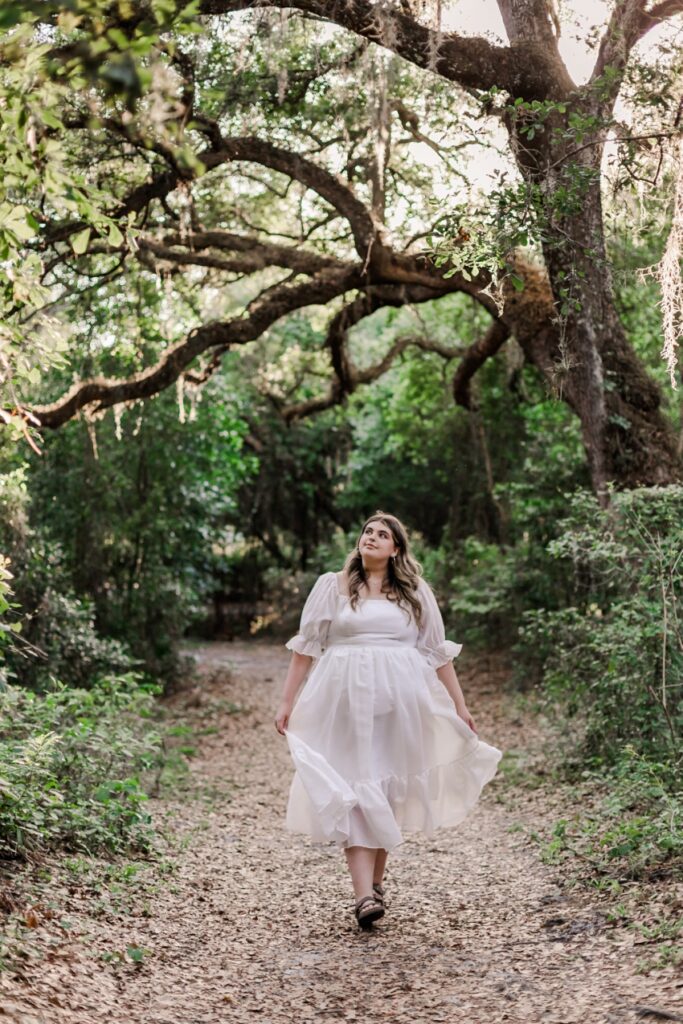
377 541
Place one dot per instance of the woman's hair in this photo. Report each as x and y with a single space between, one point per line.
403 572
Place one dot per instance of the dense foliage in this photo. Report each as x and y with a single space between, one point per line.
115 548
612 656
70 766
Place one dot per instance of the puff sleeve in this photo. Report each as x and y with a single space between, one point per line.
316 616
431 640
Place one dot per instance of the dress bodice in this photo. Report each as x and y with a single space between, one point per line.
328 620
374 622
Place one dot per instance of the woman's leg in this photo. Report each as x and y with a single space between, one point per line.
380 864
361 862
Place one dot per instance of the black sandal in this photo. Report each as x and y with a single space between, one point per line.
378 890
369 909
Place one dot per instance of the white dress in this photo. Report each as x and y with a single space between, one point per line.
376 742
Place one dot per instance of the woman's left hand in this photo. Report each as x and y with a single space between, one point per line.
467 718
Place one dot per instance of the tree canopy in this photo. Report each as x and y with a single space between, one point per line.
247 161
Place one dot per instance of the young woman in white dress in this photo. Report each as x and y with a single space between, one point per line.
381 737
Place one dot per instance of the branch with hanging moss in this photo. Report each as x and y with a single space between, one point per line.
255 150
100 393
531 70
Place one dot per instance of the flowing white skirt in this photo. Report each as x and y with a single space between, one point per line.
379 749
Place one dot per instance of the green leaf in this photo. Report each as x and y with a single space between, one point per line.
50 120
80 242
115 237
10 15
16 220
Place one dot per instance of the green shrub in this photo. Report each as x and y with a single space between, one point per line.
66 643
71 762
481 592
613 659
634 830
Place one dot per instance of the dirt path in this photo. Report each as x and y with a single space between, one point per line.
256 925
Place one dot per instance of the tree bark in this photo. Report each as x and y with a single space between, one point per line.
587 359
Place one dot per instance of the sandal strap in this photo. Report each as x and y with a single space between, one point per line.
363 900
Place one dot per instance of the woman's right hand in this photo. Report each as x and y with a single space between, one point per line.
282 717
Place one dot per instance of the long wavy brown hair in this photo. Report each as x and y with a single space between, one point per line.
403 571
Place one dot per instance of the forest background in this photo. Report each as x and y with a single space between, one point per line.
267 270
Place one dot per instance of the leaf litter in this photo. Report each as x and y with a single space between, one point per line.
241 921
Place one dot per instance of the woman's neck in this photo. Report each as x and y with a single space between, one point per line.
375 571
374 580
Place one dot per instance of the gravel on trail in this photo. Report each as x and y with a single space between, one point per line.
256 924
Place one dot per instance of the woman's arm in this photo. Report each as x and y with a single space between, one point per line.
450 680
299 665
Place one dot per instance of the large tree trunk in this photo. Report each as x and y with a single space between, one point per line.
587 361
626 436
585 354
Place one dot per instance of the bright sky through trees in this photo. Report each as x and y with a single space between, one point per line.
578 42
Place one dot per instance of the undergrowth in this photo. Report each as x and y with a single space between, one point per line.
71 767
630 826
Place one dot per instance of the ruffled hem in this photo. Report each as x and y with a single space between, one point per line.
302 645
375 813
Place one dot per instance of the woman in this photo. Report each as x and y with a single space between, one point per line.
381 737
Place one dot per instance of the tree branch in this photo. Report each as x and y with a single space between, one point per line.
338 390
628 23
525 69
257 255
255 150
659 13
317 178
475 356
262 253
336 393
101 393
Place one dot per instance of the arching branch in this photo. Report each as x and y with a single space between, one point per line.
337 392
307 261
334 395
101 393
526 69
474 357
255 150
255 255
308 173
346 377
